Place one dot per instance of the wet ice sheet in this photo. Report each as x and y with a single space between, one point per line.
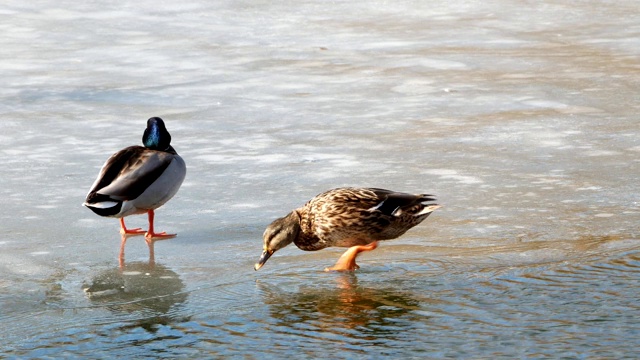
523 120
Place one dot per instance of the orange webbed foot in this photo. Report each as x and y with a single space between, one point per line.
151 235
130 232
158 236
347 262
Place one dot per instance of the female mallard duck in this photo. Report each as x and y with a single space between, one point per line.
347 217
138 180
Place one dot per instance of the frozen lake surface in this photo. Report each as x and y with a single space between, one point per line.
523 119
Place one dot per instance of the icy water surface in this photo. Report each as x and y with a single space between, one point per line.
522 117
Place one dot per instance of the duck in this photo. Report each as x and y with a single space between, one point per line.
138 180
355 218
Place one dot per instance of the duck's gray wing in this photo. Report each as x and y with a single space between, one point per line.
128 173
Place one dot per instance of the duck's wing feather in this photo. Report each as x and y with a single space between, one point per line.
128 173
388 202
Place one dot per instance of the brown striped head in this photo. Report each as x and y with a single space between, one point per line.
280 233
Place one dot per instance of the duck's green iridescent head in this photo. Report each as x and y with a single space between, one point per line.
156 136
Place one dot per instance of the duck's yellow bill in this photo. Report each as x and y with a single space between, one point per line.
263 259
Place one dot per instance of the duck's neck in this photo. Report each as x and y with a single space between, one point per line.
306 238
293 219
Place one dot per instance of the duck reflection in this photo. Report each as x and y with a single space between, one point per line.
150 243
137 287
344 305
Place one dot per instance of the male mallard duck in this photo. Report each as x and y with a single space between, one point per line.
347 217
138 180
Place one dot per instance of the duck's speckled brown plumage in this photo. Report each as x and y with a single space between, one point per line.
347 217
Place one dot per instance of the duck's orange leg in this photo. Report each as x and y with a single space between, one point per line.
132 232
347 262
152 235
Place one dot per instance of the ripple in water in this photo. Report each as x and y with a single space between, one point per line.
548 308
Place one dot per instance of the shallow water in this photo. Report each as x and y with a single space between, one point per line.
521 118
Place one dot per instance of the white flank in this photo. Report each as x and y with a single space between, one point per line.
102 205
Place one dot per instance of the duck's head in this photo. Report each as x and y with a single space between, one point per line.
279 233
156 136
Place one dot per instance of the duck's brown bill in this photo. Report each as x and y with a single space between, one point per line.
263 259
